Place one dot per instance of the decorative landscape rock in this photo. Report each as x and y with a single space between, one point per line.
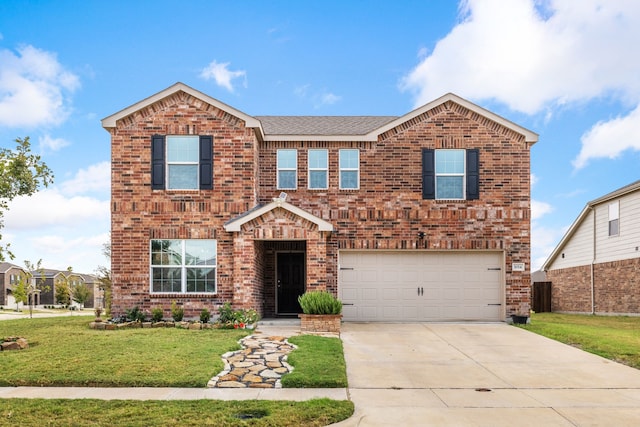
13 343
260 364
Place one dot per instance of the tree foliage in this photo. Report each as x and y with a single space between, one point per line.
64 287
81 293
22 173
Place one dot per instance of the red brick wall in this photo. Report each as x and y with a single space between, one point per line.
139 214
571 289
616 288
388 212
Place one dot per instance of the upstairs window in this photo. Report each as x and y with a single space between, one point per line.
181 162
349 169
318 169
287 169
614 219
183 266
450 174
183 159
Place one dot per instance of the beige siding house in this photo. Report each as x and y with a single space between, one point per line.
594 268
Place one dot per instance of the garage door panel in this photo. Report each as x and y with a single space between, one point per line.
421 285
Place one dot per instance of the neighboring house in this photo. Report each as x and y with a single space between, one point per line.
594 268
425 216
9 276
51 279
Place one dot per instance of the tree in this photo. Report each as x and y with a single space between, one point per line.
81 293
63 288
26 279
20 294
21 174
104 277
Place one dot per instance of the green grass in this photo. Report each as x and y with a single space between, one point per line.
65 352
612 337
90 412
318 363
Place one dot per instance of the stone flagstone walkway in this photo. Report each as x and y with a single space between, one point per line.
260 364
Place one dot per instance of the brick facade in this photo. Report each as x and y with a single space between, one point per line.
386 212
615 287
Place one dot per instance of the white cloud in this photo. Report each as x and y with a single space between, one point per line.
329 98
222 75
34 88
52 144
534 179
94 178
532 59
82 253
610 139
539 209
49 208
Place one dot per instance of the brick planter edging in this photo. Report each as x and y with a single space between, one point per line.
315 323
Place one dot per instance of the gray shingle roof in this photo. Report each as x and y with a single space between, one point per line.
322 125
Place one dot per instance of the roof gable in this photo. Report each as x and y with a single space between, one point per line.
622 191
237 223
110 121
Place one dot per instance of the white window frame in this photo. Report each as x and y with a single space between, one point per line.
451 174
318 169
183 266
283 169
169 163
345 169
614 219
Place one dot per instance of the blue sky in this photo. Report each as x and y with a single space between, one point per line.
568 70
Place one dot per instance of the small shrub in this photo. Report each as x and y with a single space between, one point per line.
319 302
157 314
205 315
176 312
134 314
226 314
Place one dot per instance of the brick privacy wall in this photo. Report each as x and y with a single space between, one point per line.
616 288
388 211
139 214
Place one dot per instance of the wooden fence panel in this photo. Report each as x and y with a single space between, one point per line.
542 297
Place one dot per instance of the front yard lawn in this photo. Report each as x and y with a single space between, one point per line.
91 412
65 352
613 337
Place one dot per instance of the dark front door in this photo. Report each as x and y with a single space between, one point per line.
290 281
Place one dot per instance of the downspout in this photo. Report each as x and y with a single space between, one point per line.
593 261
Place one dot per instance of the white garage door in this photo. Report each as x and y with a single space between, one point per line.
412 286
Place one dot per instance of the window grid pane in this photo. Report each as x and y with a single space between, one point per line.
182 256
450 173
318 169
287 175
349 169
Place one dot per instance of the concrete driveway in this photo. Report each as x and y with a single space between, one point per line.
472 374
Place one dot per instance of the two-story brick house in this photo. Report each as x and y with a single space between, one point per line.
425 216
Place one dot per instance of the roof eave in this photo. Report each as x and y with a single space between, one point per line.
530 136
110 121
567 236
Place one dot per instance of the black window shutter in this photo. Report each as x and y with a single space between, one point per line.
206 162
157 162
428 174
473 174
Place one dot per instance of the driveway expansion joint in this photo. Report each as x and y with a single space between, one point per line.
259 364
